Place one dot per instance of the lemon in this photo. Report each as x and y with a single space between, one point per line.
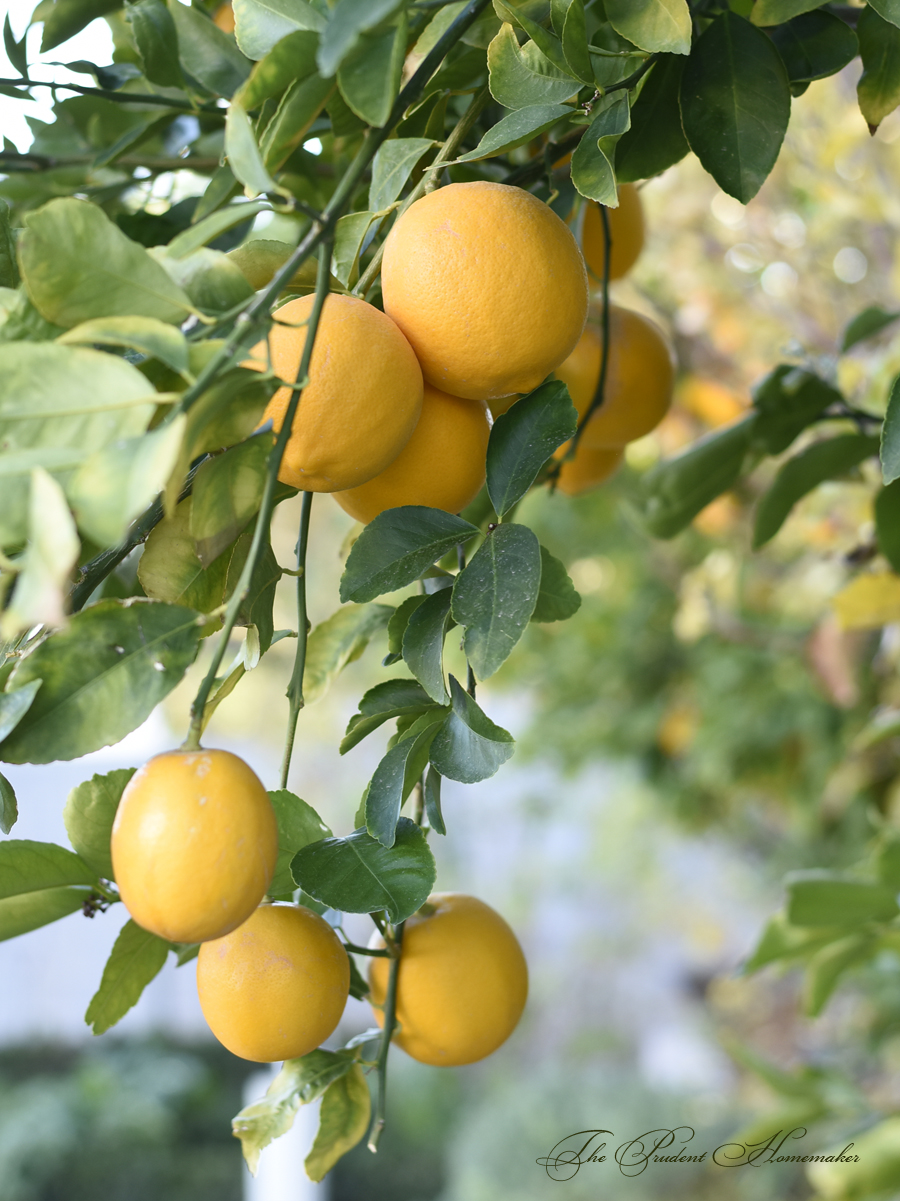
588 469
626 229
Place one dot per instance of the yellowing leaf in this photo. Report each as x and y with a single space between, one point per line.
343 1120
51 554
869 601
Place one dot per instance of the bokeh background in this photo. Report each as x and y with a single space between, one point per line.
682 742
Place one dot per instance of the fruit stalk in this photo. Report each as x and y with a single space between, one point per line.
390 1024
295 687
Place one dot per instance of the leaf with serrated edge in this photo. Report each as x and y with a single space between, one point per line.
523 439
136 958
392 698
396 775
298 826
468 747
423 644
557 599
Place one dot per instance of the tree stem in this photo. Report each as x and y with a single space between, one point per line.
115 97
295 687
597 399
390 1024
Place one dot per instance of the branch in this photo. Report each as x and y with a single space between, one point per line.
116 97
15 161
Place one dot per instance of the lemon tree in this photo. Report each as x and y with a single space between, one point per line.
167 379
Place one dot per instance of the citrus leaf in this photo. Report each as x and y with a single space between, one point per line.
14 705
64 18
197 235
9 268
819 898
656 25
390 699
28 866
815 45
136 958
522 76
102 676
148 335
211 280
524 438
423 644
369 77
878 89
397 546
244 156
396 775
20 915
890 436
259 25
787 401
889 9
546 41
469 747
867 324
293 57
343 1120
433 801
516 129
9 810
206 53
776 12
78 265
357 874
593 173
887 523
297 109
824 972
349 235
557 599
391 168
735 104
655 140
227 492
170 570
337 641
298 825
156 41
348 21
495 596
89 814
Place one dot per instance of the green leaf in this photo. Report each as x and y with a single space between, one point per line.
873 1172
227 492
469 747
170 569
887 862
9 809
557 599
815 45
259 606
64 18
298 826
495 596
776 12
522 76
259 25
369 77
781 940
357 874
887 525
822 461
396 775
655 140
391 168
20 915
9 268
825 899
390 699
147 335
206 53
293 57
593 173
867 324
102 676
433 801
735 104
828 966
397 628
878 89
397 546
889 9
89 814
423 644
546 41
523 439
214 284
675 490
137 957
299 1082
28 866
516 129
243 152
787 401
13 707
890 436
337 641
348 21
156 41
115 485
343 1121
349 235
77 265
298 108
200 232
661 26
575 43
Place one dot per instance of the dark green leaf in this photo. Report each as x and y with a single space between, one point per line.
298 826
397 628
206 53
397 546
825 899
675 490
64 18
349 235
102 676
19 915
655 140
392 698
343 1120
865 325
516 129
392 167
396 775
655 25
494 597
357 874
227 492
878 89
359 986
593 173
557 599
826 460
524 438
521 76
13 707
89 814
369 77
889 9
15 51
340 640
423 644
261 24
170 569
9 268
433 801
293 57
9 810
787 401
298 108
154 36
815 45
137 957
735 104
890 436
887 525
575 43
348 21
468 746
27 866
258 608
828 966
775 12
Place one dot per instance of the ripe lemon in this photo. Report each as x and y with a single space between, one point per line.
441 466
194 844
461 985
588 469
502 404
639 379
276 987
626 229
488 285
363 398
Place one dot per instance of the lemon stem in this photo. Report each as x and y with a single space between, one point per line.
597 399
470 674
295 687
390 1024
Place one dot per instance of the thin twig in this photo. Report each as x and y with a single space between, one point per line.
390 1024
295 687
115 97
597 399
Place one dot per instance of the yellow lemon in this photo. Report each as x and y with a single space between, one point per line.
639 379
441 466
488 285
588 469
626 230
194 844
461 985
502 404
276 987
363 398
